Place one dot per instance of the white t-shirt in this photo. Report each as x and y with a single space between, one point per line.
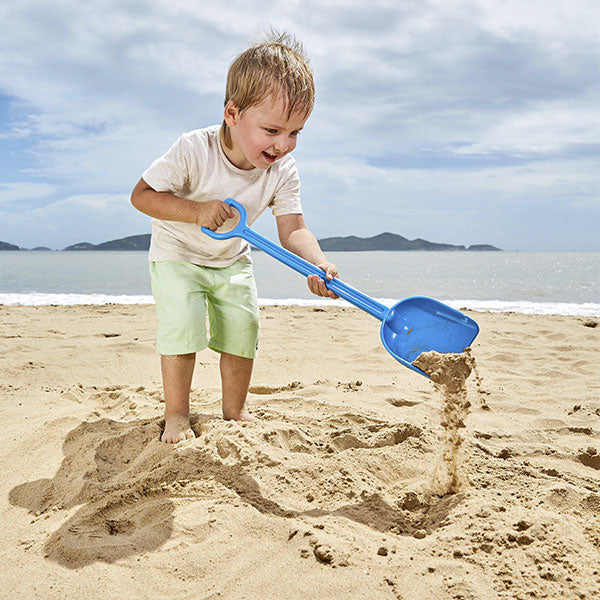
196 168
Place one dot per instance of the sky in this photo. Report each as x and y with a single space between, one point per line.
456 121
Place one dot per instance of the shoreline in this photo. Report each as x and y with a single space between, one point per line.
526 307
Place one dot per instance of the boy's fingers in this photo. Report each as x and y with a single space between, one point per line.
318 287
330 270
227 210
323 287
328 293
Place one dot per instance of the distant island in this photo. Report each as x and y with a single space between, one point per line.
394 242
133 242
6 246
383 241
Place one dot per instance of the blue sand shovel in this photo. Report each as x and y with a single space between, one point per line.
412 326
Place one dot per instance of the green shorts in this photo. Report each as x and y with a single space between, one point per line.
183 292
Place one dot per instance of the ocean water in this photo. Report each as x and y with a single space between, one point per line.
535 283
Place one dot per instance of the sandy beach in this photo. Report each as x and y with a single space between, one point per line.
329 496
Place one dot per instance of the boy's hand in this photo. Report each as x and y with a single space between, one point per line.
317 286
213 214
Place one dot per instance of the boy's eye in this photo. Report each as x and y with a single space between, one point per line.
276 131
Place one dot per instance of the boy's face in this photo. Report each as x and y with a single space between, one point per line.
261 134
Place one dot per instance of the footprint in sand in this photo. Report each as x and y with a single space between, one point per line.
122 402
228 451
378 436
338 433
290 440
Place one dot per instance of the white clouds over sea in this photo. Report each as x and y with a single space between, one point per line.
460 121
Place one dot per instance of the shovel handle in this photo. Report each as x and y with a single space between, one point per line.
300 265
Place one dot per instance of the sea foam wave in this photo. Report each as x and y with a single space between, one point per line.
589 309
45 299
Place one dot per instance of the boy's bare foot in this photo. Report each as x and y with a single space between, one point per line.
177 429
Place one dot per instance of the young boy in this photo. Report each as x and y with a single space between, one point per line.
269 96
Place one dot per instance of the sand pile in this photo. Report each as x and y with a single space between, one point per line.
327 497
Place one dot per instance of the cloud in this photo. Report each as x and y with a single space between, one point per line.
17 193
95 203
537 206
445 101
91 218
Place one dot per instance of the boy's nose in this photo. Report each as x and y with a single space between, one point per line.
280 145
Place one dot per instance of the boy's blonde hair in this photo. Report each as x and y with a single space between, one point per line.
275 67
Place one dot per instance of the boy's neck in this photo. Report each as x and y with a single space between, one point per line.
230 154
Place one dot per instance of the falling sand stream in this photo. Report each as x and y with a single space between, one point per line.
449 373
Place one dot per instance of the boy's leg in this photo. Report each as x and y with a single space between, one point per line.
177 372
234 324
179 290
236 372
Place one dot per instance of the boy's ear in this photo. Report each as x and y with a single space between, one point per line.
231 113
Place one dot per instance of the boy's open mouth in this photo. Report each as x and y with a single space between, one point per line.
270 157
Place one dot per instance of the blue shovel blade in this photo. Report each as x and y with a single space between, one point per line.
420 324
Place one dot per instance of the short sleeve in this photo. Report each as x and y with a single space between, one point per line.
286 199
170 172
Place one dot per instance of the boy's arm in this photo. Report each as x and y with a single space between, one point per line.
168 207
295 236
